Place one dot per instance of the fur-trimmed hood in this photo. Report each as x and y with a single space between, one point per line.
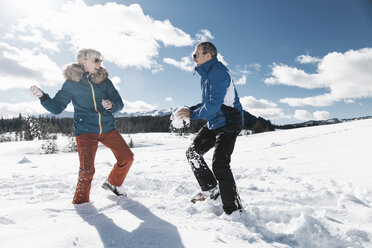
74 72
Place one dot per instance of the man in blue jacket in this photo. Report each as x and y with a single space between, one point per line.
220 106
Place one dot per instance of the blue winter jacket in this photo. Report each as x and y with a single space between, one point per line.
220 104
86 93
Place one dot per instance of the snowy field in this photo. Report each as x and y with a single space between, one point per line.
308 187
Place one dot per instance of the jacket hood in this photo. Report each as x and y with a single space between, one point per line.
74 72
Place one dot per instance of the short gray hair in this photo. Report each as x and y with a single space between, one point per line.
85 54
208 47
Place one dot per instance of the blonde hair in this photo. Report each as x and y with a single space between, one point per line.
86 53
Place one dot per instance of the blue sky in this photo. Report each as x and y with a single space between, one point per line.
291 60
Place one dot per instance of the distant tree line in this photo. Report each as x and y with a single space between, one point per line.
312 123
257 125
31 127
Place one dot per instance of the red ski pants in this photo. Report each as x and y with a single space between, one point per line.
87 145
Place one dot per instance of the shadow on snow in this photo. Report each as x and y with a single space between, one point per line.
152 232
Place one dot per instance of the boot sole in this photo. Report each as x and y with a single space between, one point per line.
108 187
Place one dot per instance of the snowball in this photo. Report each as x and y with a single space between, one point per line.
177 122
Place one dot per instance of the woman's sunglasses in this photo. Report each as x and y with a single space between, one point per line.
97 61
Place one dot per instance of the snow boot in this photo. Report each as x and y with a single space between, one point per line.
203 195
117 190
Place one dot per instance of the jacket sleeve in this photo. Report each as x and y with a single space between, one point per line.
195 106
59 102
218 84
114 97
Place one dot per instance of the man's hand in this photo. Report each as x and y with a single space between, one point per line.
183 113
107 104
36 91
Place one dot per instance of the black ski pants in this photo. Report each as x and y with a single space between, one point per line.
223 140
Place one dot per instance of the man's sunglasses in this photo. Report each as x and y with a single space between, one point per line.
195 55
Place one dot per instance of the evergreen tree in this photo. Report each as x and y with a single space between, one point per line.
262 125
49 146
30 128
33 129
71 146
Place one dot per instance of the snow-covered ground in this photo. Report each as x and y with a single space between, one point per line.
308 187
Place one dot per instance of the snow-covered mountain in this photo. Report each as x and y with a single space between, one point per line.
307 187
320 122
146 113
68 114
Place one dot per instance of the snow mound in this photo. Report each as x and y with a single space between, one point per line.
24 160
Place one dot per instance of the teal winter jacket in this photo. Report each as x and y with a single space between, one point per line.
86 93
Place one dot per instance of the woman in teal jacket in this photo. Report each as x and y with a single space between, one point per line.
95 100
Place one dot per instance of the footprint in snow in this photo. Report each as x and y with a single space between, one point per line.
351 198
6 221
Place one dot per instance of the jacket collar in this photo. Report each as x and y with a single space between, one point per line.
75 72
204 68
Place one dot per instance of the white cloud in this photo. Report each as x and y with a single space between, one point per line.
220 58
322 115
246 69
20 8
255 66
157 68
9 110
137 106
262 107
241 81
38 38
21 68
304 115
345 75
185 64
319 101
306 59
168 99
349 101
284 74
124 34
116 81
244 72
9 36
204 35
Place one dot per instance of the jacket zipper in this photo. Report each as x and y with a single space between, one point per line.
95 107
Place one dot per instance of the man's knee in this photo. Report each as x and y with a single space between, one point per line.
222 173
